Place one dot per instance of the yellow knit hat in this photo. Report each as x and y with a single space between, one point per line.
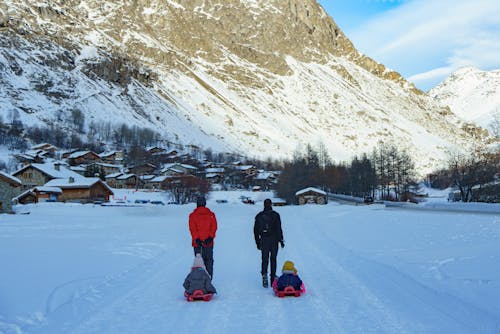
289 266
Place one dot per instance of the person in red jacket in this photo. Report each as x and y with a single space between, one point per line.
203 226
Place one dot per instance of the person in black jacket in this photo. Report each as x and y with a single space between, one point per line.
268 234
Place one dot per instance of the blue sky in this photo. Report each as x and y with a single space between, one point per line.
424 40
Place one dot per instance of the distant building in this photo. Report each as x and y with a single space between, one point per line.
10 187
34 175
311 195
83 157
143 169
83 190
39 194
113 157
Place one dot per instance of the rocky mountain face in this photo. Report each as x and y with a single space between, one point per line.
471 94
258 77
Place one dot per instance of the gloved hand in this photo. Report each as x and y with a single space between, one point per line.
258 245
282 244
207 241
198 242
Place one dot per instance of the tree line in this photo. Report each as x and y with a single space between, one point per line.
388 172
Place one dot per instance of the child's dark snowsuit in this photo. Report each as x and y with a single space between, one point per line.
198 278
289 277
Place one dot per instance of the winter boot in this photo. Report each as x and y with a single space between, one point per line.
265 283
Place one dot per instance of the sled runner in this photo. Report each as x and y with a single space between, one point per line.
198 295
289 291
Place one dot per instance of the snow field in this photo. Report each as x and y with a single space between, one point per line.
367 269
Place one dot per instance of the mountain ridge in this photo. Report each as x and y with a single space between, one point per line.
472 94
259 77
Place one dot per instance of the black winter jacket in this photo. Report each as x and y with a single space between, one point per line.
267 225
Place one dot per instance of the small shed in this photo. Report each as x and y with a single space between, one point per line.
311 195
39 194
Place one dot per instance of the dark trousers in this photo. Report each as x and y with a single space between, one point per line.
207 254
269 249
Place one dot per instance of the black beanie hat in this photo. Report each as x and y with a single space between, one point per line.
268 203
200 201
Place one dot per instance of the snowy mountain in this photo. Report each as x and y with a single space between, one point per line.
472 94
253 76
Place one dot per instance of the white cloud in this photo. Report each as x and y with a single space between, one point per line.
426 40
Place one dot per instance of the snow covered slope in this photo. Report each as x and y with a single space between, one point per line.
472 94
252 76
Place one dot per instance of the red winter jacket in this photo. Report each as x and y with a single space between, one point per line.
202 224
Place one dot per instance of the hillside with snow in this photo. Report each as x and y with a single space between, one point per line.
254 77
471 94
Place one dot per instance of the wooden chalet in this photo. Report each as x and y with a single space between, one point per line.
143 169
111 179
127 181
39 194
34 175
311 195
83 157
83 189
173 169
112 157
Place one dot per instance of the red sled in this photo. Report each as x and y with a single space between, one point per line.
198 295
288 291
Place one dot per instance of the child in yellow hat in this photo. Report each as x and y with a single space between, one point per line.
289 277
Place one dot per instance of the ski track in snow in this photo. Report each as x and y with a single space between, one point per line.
347 292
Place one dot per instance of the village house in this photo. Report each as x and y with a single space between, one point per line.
84 190
172 169
83 158
10 187
49 149
156 182
311 195
112 157
111 179
27 159
104 167
215 175
155 150
34 175
65 154
127 181
39 194
143 169
265 180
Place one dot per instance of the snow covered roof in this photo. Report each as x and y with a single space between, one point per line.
10 179
159 178
125 176
52 171
114 175
107 154
147 177
82 182
214 170
188 166
48 189
245 167
305 190
77 154
264 176
103 164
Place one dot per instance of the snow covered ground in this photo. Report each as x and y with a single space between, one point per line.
70 268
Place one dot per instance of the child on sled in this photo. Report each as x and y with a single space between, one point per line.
198 278
289 277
